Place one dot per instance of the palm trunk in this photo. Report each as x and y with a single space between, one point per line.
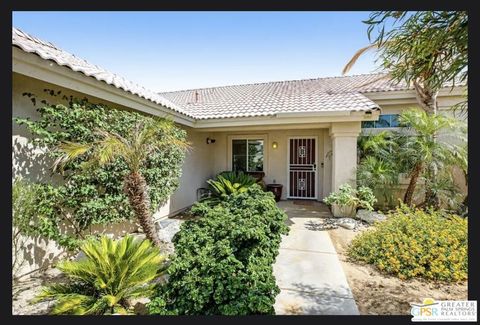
413 183
135 188
431 198
427 98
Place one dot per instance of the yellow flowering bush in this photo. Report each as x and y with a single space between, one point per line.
416 243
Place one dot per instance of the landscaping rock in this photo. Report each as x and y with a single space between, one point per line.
168 228
347 223
370 217
140 305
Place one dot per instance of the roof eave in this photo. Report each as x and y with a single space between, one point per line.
32 65
312 118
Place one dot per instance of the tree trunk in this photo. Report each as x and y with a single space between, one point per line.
431 198
427 98
135 188
413 183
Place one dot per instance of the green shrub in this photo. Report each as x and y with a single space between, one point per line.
346 195
96 195
112 272
416 243
223 260
366 198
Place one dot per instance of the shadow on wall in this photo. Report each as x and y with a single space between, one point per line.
30 162
32 254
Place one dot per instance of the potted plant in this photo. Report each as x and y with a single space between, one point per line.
346 201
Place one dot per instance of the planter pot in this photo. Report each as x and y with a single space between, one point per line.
344 211
276 189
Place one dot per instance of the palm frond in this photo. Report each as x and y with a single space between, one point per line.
111 272
356 56
70 151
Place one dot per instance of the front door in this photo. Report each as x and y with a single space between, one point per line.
302 168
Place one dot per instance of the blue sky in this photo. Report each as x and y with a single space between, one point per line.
166 51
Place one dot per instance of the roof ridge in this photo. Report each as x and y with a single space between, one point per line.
271 82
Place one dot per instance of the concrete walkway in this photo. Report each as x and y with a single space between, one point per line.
308 271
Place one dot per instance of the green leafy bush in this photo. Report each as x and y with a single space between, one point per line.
223 262
36 212
111 272
416 243
96 195
366 198
347 195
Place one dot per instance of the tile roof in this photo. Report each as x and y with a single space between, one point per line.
346 93
48 51
267 99
332 94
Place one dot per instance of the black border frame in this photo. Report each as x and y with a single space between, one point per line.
246 5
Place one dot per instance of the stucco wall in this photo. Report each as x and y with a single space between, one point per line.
197 168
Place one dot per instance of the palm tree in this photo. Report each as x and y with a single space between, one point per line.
427 50
148 137
111 273
380 175
435 142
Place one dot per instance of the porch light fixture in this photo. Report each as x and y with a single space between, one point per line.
209 140
274 145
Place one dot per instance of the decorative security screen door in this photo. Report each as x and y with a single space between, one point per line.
302 168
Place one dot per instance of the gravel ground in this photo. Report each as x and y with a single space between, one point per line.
26 290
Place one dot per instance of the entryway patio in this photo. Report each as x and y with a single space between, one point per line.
307 269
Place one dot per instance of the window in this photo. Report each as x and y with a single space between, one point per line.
384 121
247 155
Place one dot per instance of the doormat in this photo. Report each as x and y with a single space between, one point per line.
303 202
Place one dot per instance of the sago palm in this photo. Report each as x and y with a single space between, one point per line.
111 273
227 183
145 139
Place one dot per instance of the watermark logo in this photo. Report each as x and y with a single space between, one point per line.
444 311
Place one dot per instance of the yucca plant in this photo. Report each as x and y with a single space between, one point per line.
111 272
146 138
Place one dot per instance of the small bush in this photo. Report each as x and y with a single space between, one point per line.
416 243
347 195
223 262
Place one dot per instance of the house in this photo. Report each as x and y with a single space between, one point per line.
300 133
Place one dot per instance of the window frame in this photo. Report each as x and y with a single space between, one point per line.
262 137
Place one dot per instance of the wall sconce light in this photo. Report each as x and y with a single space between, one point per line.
274 145
210 140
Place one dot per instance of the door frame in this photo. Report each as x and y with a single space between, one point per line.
316 169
